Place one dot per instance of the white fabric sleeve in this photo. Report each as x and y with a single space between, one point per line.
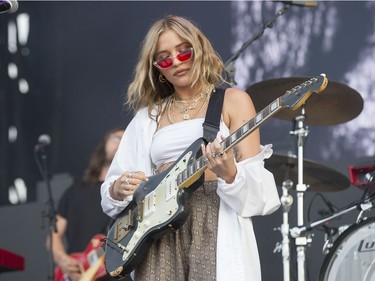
254 190
133 154
111 206
125 150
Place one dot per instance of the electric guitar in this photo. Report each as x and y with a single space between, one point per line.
161 205
91 261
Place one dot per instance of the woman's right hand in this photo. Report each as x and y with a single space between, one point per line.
127 183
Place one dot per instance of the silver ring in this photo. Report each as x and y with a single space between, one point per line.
127 181
205 160
213 154
130 174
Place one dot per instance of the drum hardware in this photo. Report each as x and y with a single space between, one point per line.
286 202
301 241
362 206
318 177
339 103
363 175
352 256
331 236
330 233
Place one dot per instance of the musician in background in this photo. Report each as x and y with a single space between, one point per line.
177 71
79 213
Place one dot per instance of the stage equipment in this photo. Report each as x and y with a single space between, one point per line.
229 67
318 177
8 6
283 247
290 169
339 104
40 156
321 111
352 256
363 175
10 261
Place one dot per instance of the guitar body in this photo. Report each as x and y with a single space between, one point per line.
87 260
159 206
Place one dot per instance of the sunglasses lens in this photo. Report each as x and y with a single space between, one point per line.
185 55
168 62
165 63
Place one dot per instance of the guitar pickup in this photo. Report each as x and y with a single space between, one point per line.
149 204
170 189
123 226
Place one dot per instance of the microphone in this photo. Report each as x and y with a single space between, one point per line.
43 141
8 6
306 4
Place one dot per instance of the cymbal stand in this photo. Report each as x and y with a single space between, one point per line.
301 131
286 202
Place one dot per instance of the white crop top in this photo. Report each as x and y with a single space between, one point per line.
171 141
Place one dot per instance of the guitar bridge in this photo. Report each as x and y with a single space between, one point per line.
123 226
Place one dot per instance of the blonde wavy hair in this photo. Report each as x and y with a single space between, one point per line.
146 90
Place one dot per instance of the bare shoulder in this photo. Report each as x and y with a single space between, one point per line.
237 99
238 107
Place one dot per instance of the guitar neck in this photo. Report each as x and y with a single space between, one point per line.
292 98
198 166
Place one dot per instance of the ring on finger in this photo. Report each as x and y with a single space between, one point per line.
127 181
130 174
213 154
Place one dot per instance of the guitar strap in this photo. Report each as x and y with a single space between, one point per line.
211 125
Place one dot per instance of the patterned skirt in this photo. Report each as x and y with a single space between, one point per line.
189 253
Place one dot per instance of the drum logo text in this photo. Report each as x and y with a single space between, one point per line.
366 246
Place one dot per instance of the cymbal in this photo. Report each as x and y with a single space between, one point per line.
316 176
337 104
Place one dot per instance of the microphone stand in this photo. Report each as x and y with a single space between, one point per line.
229 64
51 213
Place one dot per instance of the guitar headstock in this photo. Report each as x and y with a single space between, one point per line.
296 96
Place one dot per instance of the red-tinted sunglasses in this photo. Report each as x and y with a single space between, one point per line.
167 62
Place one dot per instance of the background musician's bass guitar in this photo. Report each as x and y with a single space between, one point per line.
161 205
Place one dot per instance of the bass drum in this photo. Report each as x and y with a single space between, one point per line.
352 256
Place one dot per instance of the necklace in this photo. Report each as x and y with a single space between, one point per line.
184 106
184 110
193 99
186 115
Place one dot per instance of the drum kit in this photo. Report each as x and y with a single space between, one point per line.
355 246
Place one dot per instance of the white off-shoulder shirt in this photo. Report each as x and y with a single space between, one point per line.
252 193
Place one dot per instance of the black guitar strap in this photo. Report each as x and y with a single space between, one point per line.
211 125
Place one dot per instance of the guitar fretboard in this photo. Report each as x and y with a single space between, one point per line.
292 98
199 165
